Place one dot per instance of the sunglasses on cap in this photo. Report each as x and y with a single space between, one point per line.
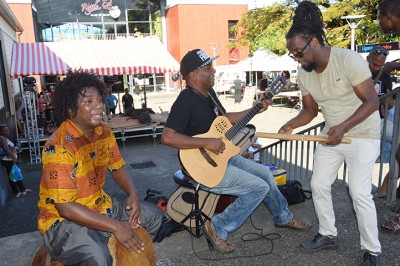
300 53
378 52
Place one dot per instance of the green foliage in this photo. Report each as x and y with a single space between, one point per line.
268 26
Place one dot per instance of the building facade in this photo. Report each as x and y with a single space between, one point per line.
10 31
205 24
181 25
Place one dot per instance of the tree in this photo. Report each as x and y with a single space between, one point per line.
268 26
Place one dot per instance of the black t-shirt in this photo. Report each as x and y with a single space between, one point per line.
384 84
192 113
128 100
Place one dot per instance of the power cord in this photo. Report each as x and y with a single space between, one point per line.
245 237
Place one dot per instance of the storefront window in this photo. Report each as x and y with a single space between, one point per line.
138 15
138 28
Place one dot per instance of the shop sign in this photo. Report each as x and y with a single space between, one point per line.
387 45
89 8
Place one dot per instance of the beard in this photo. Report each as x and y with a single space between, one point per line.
310 67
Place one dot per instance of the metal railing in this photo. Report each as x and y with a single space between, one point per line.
113 36
296 157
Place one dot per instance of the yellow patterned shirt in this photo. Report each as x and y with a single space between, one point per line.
74 170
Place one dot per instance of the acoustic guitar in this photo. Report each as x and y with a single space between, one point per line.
204 166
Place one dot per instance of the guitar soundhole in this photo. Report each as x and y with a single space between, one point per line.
221 127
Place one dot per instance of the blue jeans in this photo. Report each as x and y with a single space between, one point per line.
251 183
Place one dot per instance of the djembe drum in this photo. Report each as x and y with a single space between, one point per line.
121 256
119 253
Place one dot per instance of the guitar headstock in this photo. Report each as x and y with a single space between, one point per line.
277 84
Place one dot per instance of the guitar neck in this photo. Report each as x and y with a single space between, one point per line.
245 119
277 86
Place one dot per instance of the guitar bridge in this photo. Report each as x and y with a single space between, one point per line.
207 157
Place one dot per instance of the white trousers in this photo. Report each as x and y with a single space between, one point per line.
360 157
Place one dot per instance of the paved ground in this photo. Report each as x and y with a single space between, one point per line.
19 238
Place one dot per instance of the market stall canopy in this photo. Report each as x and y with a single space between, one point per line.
258 62
281 63
105 57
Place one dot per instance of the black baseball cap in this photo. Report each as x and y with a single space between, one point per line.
193 60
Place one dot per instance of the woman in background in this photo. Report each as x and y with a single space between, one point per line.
8 156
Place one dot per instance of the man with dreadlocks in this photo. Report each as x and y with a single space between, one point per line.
339 82
76 214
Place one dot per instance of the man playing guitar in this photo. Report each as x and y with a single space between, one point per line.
193 113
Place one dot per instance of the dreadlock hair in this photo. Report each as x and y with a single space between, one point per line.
308 22
390 7
67 91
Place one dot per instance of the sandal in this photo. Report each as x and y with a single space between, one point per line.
392 226
296 223
214 241
26 191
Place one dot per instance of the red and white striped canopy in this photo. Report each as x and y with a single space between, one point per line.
106 58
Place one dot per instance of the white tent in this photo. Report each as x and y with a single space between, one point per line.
258 62
284 62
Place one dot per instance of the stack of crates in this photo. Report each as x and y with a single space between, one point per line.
279 174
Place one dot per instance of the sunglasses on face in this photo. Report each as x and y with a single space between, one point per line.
378 52
300 53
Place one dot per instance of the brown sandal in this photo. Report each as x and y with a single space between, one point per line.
214 241
296 223
392 226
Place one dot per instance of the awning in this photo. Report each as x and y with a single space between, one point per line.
108 57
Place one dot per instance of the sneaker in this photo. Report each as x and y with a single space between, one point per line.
320 242
214 241
370 259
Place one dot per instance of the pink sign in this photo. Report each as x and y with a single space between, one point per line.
88 8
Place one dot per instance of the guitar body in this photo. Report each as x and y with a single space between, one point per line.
121 256
204 166
198 167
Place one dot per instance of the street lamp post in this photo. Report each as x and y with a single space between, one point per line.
353 21
214 47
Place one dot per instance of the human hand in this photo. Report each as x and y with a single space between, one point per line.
256 146
335 134
133 206
286 129
215 145
127 237
264 103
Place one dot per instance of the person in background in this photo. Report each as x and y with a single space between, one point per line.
350 109
112 102
8 157
389 21
127 100
192 114
41 104
76 214
376 60
238 89
264 82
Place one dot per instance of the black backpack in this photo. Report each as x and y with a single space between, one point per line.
142 115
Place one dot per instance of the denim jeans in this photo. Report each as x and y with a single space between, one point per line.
251 183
